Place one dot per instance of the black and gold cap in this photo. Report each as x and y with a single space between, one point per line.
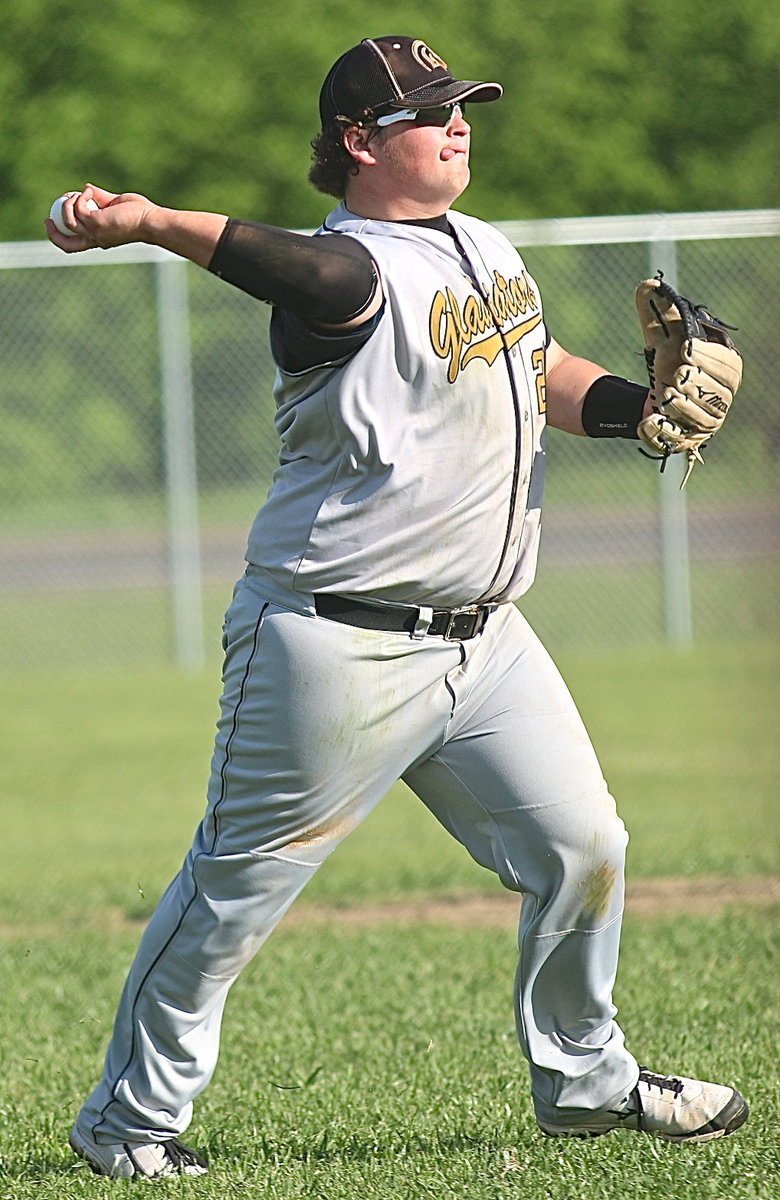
394 72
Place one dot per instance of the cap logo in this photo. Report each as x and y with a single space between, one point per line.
426 57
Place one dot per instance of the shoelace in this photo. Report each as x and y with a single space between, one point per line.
663 1082
182 1156
669 1083
176 1155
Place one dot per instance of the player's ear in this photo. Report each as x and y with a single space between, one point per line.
356 140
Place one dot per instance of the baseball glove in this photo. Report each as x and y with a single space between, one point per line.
694 368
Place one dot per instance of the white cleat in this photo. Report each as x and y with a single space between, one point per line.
669 1107
143 1160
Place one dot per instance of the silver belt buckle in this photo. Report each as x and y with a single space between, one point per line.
449 636
480 613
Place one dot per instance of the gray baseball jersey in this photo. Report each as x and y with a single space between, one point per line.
413 472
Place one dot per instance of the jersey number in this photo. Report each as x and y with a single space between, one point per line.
538 361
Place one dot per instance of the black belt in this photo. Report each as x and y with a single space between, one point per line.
458 624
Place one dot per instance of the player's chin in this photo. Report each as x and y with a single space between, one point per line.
458 167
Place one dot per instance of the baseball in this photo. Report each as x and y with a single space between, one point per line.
55 212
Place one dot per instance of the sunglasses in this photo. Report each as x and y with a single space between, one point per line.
422 116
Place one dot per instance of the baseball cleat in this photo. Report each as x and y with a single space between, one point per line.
143 1160
669 1107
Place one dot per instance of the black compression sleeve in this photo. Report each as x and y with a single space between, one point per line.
613 407
328 279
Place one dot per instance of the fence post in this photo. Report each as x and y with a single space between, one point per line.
184 564
672 505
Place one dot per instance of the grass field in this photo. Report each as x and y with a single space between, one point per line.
379 1060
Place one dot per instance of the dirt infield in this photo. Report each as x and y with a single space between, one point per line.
645 897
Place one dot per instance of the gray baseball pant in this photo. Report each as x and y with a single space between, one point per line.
318 721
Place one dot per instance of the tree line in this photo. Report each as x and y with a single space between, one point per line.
611 107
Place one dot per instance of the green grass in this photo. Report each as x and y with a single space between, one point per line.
90 512
379 1063
603 603
382 1062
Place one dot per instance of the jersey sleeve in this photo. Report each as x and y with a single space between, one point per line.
298 345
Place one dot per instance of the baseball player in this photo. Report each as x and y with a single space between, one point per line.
374 634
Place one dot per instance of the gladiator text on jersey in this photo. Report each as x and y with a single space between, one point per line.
473 330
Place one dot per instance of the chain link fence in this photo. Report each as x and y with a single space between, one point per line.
136 443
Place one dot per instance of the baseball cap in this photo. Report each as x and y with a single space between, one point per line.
388 72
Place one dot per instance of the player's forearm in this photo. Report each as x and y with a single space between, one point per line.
568 381
192 235
585 399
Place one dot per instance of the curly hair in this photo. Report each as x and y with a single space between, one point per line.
332 164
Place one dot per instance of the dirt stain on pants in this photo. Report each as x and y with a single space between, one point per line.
596 890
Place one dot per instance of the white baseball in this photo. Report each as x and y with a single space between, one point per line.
55 212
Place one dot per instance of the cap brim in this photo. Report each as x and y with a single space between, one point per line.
448 93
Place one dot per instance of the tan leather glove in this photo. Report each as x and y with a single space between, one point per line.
694 369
